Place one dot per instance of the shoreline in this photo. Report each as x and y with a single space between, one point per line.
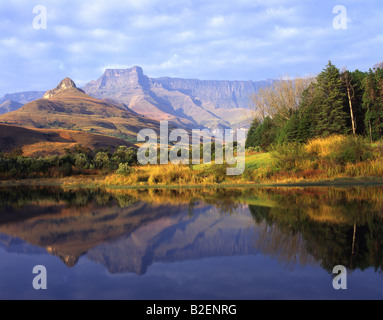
96 182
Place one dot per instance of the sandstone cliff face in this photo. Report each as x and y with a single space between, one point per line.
112 82
222 94
190 103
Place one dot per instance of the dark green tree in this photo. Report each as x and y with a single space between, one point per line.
331 101
373 103
289 133
358 78
252 139
262 134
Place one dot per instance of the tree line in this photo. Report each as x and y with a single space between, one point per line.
79 160
334 102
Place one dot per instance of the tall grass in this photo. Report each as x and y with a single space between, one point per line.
170 175
323 158
155 174
319 159
324 147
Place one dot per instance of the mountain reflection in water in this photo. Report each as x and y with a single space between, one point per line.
129 230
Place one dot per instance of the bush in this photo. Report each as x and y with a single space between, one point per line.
101 160
81 161
217 172
351 150
125 170
124 154
257 149
289 156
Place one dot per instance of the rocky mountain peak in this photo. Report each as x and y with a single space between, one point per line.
134 71
65 85
131 78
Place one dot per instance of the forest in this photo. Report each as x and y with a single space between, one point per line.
336 102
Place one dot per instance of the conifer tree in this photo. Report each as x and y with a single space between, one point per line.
331 101
373 103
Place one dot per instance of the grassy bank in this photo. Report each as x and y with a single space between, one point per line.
99 183
336 159
333 161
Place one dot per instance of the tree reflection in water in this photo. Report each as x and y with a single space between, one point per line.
298 226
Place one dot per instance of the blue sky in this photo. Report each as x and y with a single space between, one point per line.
203 39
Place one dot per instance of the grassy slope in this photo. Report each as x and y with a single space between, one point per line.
254 162
42 142
261 170
322 164
79 113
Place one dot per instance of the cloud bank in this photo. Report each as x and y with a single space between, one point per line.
205 39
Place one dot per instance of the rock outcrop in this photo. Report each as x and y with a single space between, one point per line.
193 103
66 86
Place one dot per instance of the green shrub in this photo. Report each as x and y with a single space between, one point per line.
288 156
125 170
101 160
254 149
81 161
352 150
217 172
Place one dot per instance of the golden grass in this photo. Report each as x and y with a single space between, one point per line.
372 168
322 161
318 166
157 175
80 112
44 142
323 147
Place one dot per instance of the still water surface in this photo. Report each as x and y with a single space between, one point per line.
235 244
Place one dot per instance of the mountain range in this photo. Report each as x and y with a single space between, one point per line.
187 103
9 106
190 103
70 108
22 97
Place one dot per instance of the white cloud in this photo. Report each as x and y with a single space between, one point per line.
150 22
245 39
217 22
285 33
65 31
9 42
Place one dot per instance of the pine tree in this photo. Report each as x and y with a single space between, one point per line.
331 103
308 115
373 103
251 140
307 124
359 112
262 134
289 133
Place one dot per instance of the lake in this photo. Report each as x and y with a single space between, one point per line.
191 244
